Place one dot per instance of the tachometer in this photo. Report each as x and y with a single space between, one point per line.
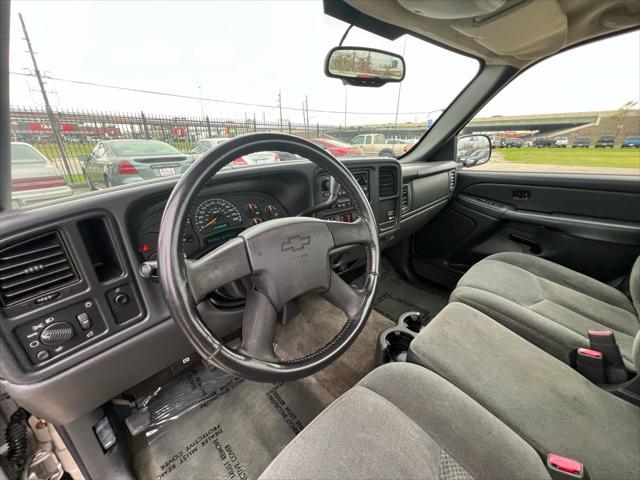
215 214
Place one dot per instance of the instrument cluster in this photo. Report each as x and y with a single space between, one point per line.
212 221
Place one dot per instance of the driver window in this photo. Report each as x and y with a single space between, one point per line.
358 140
197 148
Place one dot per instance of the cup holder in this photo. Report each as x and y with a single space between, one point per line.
393 345
413 321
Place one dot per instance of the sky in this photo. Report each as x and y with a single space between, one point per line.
249 51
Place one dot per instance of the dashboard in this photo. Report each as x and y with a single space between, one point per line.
100 319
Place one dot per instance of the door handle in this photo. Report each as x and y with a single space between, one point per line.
534 247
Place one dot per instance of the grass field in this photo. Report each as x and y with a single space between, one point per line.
583 157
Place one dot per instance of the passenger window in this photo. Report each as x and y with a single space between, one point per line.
576 112
379 139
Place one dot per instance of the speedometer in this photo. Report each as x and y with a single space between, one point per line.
215 214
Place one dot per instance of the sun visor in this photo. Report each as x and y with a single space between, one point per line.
527 31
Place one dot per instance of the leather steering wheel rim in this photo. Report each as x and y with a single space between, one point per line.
283 257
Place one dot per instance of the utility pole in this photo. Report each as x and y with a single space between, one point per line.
306 102
304 118
280 107
52 118
345 106
395 124
201 102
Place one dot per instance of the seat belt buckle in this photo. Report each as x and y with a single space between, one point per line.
563 468
590 364
604 341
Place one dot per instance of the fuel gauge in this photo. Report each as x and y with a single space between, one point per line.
256 220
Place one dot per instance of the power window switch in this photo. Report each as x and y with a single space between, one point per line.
84 321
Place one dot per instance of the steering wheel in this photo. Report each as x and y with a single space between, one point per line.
283 259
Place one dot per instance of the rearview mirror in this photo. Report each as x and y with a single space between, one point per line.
364 67
473 150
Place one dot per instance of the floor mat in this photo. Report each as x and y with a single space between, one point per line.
316 324
396 295
234 431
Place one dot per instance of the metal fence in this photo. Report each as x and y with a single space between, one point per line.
80 130
63 136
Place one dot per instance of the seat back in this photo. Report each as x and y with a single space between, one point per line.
634 289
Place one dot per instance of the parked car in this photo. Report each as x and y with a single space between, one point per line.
260 158
511 143
120 162
540 142
338 149
203 146
581 142
34 178
561 142
605 141
376 144
631 142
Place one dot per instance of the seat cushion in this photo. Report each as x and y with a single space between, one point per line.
403 421
542 399
548 304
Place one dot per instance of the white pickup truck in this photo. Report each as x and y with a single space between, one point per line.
376 144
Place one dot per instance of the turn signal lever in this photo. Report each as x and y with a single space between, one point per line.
332 197
149 270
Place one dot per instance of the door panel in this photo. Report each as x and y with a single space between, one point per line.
590 223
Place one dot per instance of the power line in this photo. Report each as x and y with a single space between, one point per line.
217 100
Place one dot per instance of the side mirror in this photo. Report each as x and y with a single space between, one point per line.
364 67
473 150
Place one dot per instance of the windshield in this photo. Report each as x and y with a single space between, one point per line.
24 154
143 148
226 69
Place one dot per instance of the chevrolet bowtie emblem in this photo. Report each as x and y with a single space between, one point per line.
295 243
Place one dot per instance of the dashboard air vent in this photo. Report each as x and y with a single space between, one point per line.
452 180
388 182
34 267
404 204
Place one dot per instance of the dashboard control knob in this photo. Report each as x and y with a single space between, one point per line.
121 299
57 333
42 355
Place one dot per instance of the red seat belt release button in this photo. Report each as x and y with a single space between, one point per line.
587 352
564 468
